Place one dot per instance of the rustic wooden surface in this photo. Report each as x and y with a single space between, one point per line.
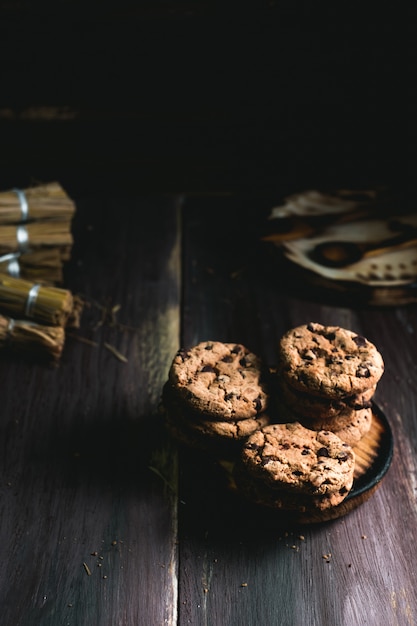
103 521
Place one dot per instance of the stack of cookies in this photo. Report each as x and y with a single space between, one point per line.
216 396
327 377
290 432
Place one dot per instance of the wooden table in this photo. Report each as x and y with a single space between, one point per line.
105 522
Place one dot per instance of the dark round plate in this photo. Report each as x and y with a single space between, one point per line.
381 440
373 458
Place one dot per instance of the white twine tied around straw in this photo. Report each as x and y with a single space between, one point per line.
31 299
12 323
10 327
22 234
13 267
9 332
24 205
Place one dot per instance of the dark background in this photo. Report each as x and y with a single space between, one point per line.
206 96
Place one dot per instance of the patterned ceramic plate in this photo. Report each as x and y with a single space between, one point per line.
366 248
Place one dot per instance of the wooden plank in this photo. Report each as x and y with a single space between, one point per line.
242 567
88 511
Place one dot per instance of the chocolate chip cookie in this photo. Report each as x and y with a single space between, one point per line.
222 380
292 458
309 406
193 429
329 361
349 426
264 494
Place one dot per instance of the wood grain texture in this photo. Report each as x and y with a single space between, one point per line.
87 518
104 522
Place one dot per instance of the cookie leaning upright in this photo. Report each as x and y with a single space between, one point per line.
215 396
329 361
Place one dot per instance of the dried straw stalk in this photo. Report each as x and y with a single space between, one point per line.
31 338
34 203
40 303
74 319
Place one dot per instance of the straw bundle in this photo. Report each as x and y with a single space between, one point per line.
32 235
35 241
35 232
35 203
36 339
43 304
43 265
